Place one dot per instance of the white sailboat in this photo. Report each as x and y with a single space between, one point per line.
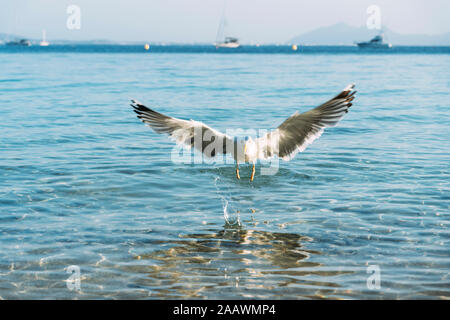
43 43
222 39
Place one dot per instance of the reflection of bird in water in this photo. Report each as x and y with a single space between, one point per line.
278 248
230 262
291 137
194 264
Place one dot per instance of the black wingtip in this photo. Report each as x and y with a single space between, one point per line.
139 106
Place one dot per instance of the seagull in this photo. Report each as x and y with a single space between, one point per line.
292 136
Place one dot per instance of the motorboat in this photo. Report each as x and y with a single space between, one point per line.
375 43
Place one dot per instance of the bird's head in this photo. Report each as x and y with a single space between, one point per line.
250 150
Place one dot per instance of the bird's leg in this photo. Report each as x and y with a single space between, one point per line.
253 172
237 170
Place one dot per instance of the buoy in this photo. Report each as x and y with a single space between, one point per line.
147 46
294 47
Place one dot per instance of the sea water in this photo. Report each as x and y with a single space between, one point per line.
363 212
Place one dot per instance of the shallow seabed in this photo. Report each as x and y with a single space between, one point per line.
84 183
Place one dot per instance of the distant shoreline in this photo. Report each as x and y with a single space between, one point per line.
211 49
201 44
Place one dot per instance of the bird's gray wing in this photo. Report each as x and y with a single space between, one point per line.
300 130
189 133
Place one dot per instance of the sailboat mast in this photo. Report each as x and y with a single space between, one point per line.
220 30
223 40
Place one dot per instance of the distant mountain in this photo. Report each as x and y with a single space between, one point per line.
343 34
4 37
337 34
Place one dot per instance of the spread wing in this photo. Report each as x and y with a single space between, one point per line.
300 130
189 133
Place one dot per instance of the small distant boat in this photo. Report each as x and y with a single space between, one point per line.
223 41
229 42
43 43
21 42
375 43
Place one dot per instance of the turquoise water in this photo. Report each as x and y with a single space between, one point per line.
83 182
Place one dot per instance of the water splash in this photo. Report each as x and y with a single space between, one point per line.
227 202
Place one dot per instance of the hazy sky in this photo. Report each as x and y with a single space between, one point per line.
266 21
